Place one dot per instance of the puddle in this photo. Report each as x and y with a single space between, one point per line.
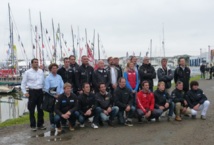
12 106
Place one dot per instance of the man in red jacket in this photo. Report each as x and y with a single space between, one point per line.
145 104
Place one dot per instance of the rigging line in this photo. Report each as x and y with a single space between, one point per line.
48 46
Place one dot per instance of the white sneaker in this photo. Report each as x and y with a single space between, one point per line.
94 126
82 125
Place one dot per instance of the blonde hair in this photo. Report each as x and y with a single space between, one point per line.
128 65
161 83
67 85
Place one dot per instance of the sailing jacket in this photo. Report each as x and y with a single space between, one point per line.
104 101
166 76
195 97
65 104
67 75
86 102
132 80
161 98
178 96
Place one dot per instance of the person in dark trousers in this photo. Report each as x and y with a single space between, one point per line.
66 72
182 73
106 102
124 100
178 97
74 66
197 100
84 74
101 75
165 74
202 69
118 67
147 73
146 103
211 71
88 107
34 79
65 108
163 100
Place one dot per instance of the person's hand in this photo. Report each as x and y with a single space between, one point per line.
161 107
80 92
148 114
114 86
65 116
133 91
105 112
109 109
26 94
56 96
128 108
68 113
166 105
196 107
88 112
185 102
184 109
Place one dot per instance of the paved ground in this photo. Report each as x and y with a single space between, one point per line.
187 132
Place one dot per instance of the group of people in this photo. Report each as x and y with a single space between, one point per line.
206 71
109 92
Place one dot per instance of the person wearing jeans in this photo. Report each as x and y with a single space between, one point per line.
145 104
163 101
197 100
124 100
88 107
105 103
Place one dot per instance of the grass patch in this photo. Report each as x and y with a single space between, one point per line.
21 120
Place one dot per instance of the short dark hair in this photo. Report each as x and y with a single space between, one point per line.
178 83
32 60
66 58
131 57
72 56
84 56
120 79
84 84
144 82
194 83
116 58
181 58
109 58
52 65
101 83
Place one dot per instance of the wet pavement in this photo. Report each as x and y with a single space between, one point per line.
186 132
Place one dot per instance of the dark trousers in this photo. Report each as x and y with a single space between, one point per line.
35 100
58 119
129 115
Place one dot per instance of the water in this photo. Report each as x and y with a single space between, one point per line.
12 106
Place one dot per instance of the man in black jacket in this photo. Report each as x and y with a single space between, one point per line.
74 66
124 100
163 101
65 108
101 75
182 73
165 74
147 73
197 100
88 107
178 97
118 67
83 74
106 102
202 69
66 72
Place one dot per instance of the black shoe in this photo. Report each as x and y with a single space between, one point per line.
193 116
42 128
128 123
140 120
110 123
101 123
33 128
157 119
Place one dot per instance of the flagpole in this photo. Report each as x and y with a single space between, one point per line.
43 59
86 40
31 34
54 39
72 33
93 43
98 38
60 42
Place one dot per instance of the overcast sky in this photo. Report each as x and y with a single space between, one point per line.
123 25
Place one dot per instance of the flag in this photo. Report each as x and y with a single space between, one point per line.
18 37
43 46
90 54
35 28
34 46
49 39
22 44
46 31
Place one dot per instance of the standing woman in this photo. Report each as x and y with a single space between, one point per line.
53 86
132 79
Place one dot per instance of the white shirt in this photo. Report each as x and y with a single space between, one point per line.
33 79
113 76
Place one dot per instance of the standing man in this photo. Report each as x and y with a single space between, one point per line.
34 79
84 74
146 103
182 73
197 100
124 100
202 69
66 72
101 75
88 107
118 67
106 102
74 66
165 74
113 74
65 108
147 72
53 86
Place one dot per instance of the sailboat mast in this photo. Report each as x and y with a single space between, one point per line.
43 59
98 38
60 42
72 33
54 39
93 43
11 37
163 43
31 34
86 42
